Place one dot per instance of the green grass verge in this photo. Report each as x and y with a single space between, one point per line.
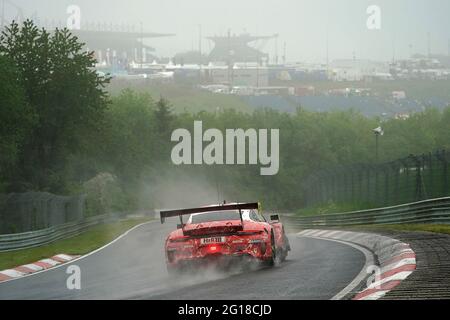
185 98
437 228
332 207
84 243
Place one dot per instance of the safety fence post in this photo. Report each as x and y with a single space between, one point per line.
442 156
395 166
418 168
404 180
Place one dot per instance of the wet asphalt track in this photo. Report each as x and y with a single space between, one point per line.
134 268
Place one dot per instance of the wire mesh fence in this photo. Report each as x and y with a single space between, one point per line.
410 179
22 212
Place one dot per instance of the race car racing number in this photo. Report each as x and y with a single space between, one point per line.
212 240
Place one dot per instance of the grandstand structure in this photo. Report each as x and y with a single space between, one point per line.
236 48
119 46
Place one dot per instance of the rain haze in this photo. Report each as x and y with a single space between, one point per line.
407 26
249 150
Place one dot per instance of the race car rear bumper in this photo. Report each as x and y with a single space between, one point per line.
233 250
216 261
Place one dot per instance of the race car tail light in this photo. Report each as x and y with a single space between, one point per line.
213 248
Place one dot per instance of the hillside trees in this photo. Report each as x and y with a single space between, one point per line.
62 89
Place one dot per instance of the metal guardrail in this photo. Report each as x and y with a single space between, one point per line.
436 211
16 241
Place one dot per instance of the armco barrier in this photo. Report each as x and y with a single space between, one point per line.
436 211
9 242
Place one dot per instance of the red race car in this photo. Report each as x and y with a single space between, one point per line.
223 234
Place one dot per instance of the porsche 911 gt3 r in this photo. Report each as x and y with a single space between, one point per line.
223 234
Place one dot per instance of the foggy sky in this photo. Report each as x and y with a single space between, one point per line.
302 24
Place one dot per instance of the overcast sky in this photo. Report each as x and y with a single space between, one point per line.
302 24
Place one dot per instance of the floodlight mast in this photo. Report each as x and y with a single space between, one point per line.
378 132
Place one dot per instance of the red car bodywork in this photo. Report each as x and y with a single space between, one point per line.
225 240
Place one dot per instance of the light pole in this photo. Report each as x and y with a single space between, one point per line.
378 132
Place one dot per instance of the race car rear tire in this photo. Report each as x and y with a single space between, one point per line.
273 257
283 254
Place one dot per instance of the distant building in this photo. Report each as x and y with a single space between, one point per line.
358 70
304 91
421 68
236 48
310 72
398 95
351 92
252 75
115 48
402 116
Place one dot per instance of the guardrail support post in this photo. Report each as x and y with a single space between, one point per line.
386 185
442 156
418 166
431 188
368 185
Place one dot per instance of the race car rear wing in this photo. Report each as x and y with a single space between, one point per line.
222 207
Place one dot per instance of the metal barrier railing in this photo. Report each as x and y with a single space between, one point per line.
16 241
435 211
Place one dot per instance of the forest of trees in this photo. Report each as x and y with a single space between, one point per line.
60 128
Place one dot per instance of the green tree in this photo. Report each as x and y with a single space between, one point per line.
130 138
164 120
63 90
16 119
